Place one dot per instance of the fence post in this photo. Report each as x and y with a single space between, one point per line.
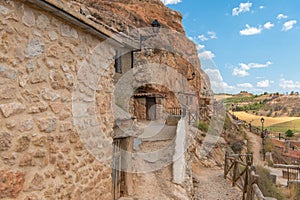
234 172
245 184
249 185
225 165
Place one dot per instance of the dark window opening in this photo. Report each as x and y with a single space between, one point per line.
118 62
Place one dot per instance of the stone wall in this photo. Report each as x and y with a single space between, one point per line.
41 153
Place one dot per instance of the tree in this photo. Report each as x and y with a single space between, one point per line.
289 133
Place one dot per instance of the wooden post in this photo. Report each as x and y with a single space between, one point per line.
288 172
245 184
234 172
249 185
225 165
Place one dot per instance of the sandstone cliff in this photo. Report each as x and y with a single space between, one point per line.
126 14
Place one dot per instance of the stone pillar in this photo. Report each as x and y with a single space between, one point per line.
179 156
287 146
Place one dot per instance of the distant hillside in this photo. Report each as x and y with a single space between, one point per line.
271 105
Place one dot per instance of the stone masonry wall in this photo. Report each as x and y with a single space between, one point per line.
41 153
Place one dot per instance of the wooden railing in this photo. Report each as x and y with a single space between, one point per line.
192 117
290 172
238 168
175 111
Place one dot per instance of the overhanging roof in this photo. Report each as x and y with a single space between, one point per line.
59 9
150 95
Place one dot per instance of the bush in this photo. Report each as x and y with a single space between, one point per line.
269 147
203 126
267 187
289 133
227 123
237 147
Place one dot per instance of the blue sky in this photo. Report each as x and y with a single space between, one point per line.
245 45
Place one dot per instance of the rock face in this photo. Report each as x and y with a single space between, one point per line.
180 52
122 15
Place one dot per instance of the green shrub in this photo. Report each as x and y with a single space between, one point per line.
269 147
237 147
289 133
227 123
203 126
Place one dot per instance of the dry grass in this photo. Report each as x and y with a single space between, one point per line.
269 121
219 97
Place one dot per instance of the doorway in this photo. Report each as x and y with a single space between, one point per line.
151 108
121 180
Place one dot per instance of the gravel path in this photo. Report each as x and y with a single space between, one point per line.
211 185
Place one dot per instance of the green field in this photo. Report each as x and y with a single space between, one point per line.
294 125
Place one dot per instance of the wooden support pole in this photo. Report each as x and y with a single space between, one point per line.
235 166
225 165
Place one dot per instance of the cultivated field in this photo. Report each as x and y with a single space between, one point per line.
276 124
294 125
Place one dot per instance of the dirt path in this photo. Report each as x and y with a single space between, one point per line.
211 185
256 146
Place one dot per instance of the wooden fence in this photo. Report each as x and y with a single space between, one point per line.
192 116
290 172
239 169
175 111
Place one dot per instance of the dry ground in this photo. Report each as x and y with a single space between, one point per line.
269 121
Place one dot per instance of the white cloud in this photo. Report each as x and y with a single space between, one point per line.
264 83
242 71
245 85
169 2
268 25
258 65
212 35
281 16
218 85
251 30
202 38
243 7
206 55
289 25
261 7
200 47
289 84
191 38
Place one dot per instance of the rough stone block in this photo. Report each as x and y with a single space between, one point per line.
35 47
5 141
26 125
11 183
8 72
56 107
42 21
4 10
36 184
26 160
22 144
28 18
40 141
7 91
47 125
12 108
